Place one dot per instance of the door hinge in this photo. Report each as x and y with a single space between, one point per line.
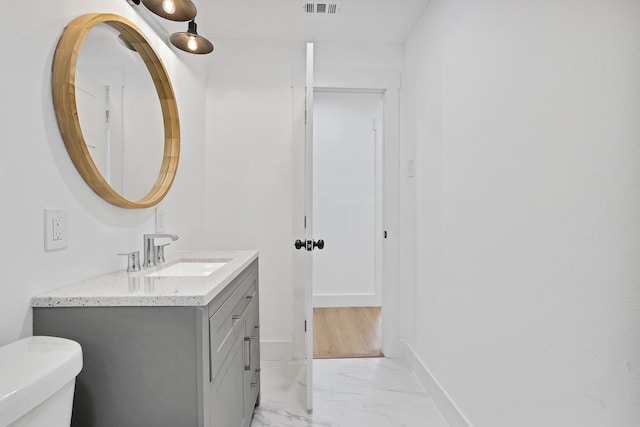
305 221
305 326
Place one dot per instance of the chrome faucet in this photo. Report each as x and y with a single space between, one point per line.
150 248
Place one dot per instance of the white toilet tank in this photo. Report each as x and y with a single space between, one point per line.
37 380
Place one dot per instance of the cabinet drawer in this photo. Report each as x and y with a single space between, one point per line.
231 315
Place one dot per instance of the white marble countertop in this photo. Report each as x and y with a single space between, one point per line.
136 289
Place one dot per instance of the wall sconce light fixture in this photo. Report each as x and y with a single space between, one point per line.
179 10
190 41
173 10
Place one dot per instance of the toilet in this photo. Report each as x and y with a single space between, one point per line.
37 380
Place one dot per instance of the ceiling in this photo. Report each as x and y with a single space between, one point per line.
386 21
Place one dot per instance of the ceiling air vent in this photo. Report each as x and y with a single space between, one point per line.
321 8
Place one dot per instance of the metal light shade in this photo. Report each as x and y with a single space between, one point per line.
190 41
173 10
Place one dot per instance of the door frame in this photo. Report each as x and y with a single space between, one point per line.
387 81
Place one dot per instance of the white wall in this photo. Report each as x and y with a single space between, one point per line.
523 117
255 164
36 172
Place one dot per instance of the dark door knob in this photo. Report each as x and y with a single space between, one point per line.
309 244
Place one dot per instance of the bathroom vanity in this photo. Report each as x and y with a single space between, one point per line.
175 345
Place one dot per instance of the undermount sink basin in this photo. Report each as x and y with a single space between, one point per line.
189 269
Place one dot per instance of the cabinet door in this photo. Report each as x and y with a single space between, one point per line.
227 388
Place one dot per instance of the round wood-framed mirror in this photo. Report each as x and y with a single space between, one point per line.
64 98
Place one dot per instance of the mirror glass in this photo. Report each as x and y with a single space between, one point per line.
119 112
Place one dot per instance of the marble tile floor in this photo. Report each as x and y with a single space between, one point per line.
374 392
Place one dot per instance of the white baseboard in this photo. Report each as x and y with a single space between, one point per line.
281 351
447 407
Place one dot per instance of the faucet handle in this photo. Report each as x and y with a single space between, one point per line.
160 252
133 260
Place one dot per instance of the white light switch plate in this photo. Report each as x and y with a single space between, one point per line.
411 168
160 219
55 229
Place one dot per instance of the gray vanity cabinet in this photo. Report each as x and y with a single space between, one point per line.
165 366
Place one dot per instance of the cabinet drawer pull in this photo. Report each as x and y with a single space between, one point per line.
254 384
235 318
247 366
249 297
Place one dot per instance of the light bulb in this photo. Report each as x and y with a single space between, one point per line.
169 6
192 44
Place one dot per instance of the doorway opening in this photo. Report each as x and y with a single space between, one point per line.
347 212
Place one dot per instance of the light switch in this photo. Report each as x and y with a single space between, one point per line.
160 219
411 168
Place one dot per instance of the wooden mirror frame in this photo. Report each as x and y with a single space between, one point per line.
64 100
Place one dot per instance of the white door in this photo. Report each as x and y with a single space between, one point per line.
306 243
309 244
347 191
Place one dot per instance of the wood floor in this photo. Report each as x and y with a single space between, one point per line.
340 332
